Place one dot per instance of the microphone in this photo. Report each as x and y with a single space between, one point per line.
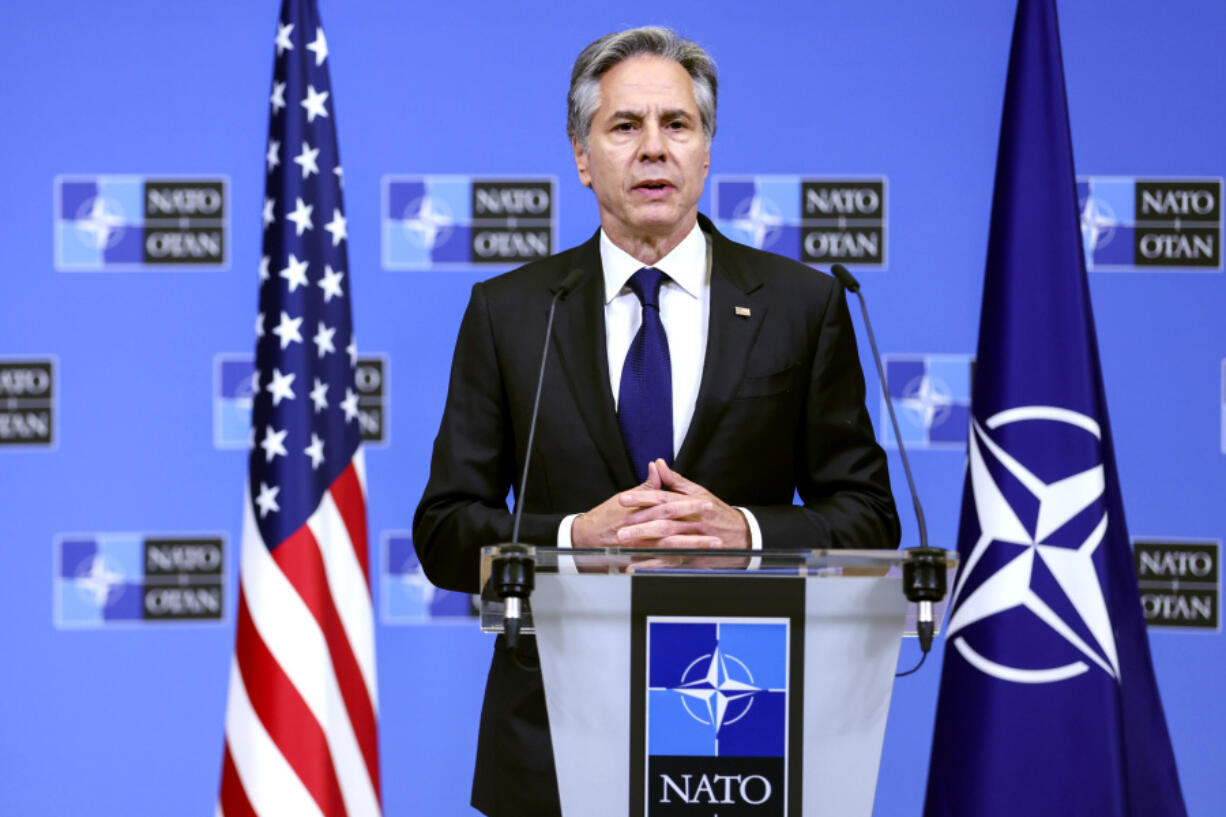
514 570
924 571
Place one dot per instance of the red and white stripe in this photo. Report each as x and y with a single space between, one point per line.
301 723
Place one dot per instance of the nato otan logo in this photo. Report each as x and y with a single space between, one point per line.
458 222
1180 582
408 596
108 579
27 403
1130 224
140 223
814 220
234 385
931 395
717 703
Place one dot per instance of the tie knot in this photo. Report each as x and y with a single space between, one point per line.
646 285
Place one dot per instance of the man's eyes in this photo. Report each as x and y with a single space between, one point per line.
672 124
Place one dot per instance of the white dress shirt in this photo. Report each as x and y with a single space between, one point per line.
685 298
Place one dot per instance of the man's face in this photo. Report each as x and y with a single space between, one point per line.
647 157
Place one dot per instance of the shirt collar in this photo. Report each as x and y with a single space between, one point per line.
686 265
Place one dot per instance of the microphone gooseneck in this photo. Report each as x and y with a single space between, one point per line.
924 569
852 285
513 571
563 289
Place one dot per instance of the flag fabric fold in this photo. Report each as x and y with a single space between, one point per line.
1048 702
302 715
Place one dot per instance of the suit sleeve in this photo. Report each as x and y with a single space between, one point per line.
841 473
474 464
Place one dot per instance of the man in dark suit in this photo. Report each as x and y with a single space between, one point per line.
699 385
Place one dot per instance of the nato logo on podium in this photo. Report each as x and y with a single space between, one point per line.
717 704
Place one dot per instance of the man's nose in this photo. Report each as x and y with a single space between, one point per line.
652 145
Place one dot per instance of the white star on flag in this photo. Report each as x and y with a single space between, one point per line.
267 500
259 325
331 283
280 386
269 218
319 395
323 339
314 103
287 330
295 273
274 443
315 451
306 159
319 46
283 41
352 349
337 226
350 405
273 156
264 260
301 217
278 97
1073 568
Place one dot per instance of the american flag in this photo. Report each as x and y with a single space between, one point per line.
302 715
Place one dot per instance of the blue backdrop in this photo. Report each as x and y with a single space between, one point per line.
128 719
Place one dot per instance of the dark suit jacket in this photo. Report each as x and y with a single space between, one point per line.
780 411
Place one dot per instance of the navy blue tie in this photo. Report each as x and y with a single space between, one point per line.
645 400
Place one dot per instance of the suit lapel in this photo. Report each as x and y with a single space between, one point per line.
730 336
579 341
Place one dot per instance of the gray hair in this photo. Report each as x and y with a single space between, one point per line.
583 100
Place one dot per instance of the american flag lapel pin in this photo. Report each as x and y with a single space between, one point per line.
741 311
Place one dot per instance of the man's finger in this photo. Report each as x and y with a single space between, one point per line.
677 509
635 535
671 479
689 541
653 477
646 497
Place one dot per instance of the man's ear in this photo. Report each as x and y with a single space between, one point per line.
581 163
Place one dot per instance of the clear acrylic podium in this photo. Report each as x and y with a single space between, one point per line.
716 683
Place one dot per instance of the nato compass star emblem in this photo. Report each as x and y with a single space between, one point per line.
102 220
427 221
713 695
99 580
760 219
927 400
1098 223
1036 550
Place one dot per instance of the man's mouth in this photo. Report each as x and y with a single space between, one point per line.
654 186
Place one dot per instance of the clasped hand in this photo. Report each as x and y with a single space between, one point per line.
667 511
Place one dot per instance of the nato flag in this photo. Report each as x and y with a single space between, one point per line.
1048 704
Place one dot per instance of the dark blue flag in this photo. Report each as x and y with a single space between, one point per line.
1048 703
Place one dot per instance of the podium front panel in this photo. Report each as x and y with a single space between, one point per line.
676 695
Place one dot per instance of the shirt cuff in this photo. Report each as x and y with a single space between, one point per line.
755 537
566 564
